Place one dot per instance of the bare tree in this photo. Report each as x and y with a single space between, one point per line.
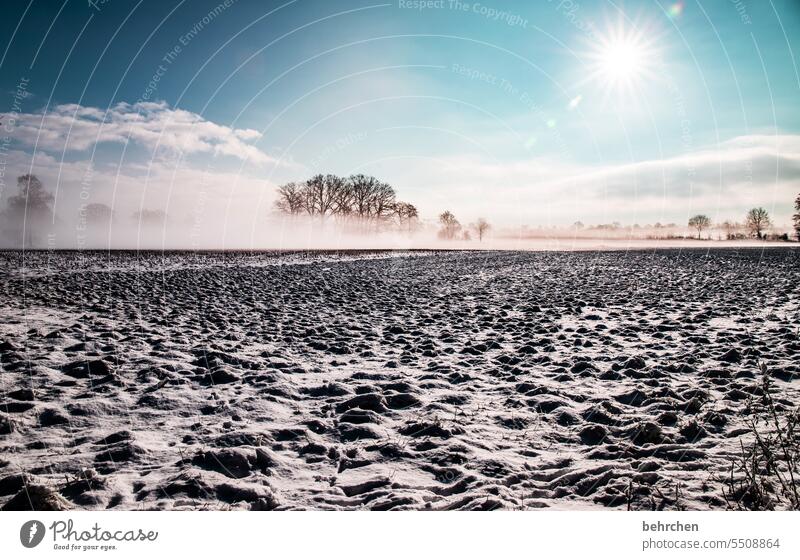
362 189
339 194
371 199
700 222
407 215
291 199
796 217
450 225
383 202
318 198
328 195
27 212
757 221
481 227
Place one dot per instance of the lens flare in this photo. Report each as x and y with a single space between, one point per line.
675 10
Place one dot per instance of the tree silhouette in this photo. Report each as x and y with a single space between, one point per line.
481 227
98 215
757 221
32 199
359 198
362 189
407 215
383 202
290 199
27 212
151 218
700 222
450 225
318 199
730 229
796 217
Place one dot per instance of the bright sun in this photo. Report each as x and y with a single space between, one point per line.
623 61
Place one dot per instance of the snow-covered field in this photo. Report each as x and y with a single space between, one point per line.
468 380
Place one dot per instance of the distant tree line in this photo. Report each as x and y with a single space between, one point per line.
450 228
358 198
757 221
613 226
756 224
29 215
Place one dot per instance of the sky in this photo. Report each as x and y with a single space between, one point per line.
541 113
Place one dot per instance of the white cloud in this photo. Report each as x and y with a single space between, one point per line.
151 125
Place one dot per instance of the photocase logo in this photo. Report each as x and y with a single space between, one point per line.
31 533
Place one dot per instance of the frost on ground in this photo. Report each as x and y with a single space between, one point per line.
467 380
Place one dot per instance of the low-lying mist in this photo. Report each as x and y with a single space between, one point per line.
277 232
331 213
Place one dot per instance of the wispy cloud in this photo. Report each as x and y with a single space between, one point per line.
757 162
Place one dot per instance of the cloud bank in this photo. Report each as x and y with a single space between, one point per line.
722 181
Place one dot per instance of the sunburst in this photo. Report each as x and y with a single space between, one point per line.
623 60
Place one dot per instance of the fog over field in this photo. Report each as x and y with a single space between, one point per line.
281 234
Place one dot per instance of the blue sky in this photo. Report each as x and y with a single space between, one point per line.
511 109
